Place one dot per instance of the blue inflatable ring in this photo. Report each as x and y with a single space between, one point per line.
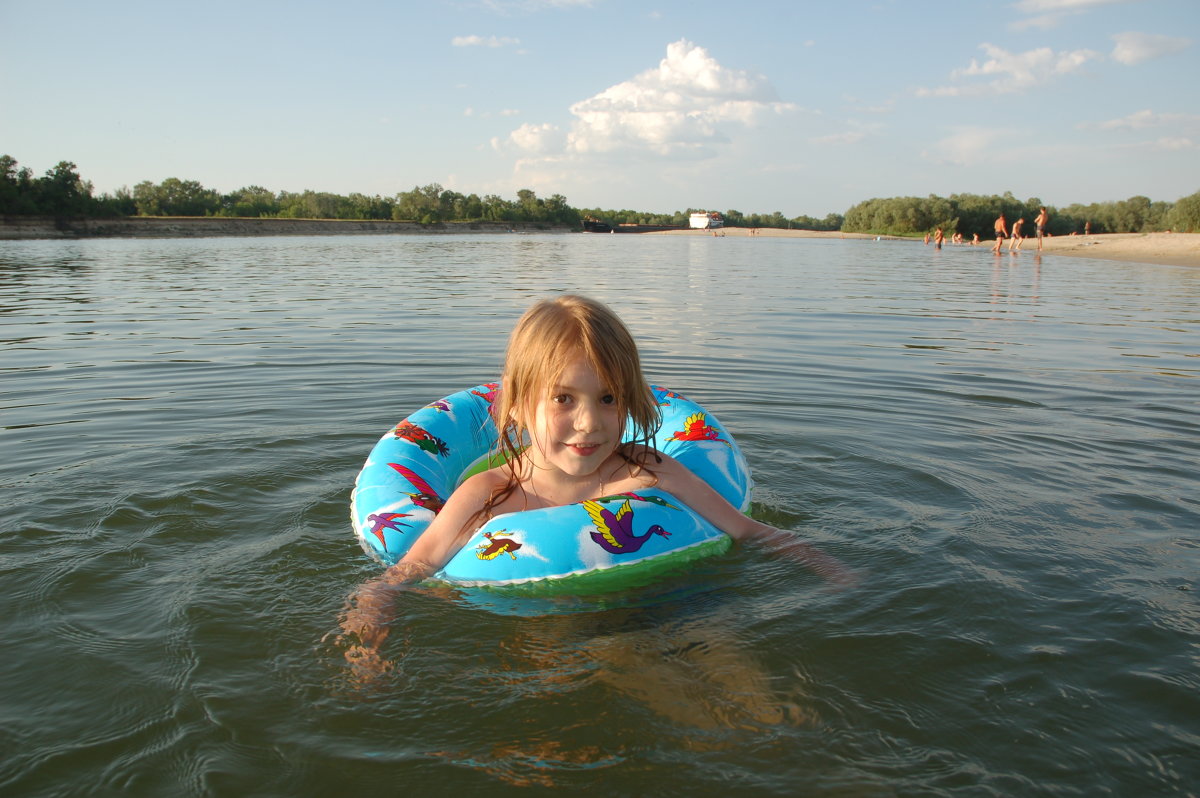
598 543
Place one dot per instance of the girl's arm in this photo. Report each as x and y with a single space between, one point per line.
701 497
373 604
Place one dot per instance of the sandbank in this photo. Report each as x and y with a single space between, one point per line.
1175 249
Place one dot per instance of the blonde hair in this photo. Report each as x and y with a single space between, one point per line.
546 339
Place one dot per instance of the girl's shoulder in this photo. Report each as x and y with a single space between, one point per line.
648 460
488 480
639 454
476 489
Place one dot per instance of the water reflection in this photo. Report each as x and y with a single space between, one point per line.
594 689
1010 451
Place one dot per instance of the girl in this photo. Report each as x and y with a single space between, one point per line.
572 376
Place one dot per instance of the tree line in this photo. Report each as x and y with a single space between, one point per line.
972 213
61 193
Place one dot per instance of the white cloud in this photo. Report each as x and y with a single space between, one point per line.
1162 144
681 108
849 137
509 6
470 111
1140 120
1174 143
1049 13
967 146
483 41
1180 130
1134 48
1059 6
1011 72
855 132
541 139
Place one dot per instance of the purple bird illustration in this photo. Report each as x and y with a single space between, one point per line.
614 532
381 521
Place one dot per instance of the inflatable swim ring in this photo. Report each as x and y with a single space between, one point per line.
418 464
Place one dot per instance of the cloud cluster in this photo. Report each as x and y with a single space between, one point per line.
531 6
1012 72
1004 72
1134 48
1140 120
483 41
680 109
967 146
1049 13
1180 129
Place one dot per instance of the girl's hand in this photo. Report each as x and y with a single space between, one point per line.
826 566
369 617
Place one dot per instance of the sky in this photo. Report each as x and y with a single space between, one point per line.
804 108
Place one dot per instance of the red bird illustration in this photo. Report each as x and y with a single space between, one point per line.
493 389
418 435
662 397
496 545
381 521
425 496
697 429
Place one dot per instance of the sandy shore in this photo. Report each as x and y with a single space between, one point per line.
1177 249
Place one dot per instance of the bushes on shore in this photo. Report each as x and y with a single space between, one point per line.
973 213
61 193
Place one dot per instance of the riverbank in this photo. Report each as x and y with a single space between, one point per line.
1176 249
1179 249
18 228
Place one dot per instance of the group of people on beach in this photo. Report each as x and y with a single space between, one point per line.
1001 232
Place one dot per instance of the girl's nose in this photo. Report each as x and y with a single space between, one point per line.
585 418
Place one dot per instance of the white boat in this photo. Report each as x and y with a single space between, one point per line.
704 221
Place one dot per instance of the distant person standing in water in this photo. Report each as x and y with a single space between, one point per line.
1001 232
938 238
1040 221
1015 243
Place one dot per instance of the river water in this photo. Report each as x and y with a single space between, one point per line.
1004 450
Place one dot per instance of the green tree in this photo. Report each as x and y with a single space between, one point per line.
422 204
251 201
175 197
1184 216
16 188
119 203
62 193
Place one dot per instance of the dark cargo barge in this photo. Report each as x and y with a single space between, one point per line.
592 225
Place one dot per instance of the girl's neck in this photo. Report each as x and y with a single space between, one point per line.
549 487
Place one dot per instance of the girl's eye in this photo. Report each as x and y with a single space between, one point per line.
608 399
560 398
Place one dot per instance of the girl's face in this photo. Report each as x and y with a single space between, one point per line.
575 426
